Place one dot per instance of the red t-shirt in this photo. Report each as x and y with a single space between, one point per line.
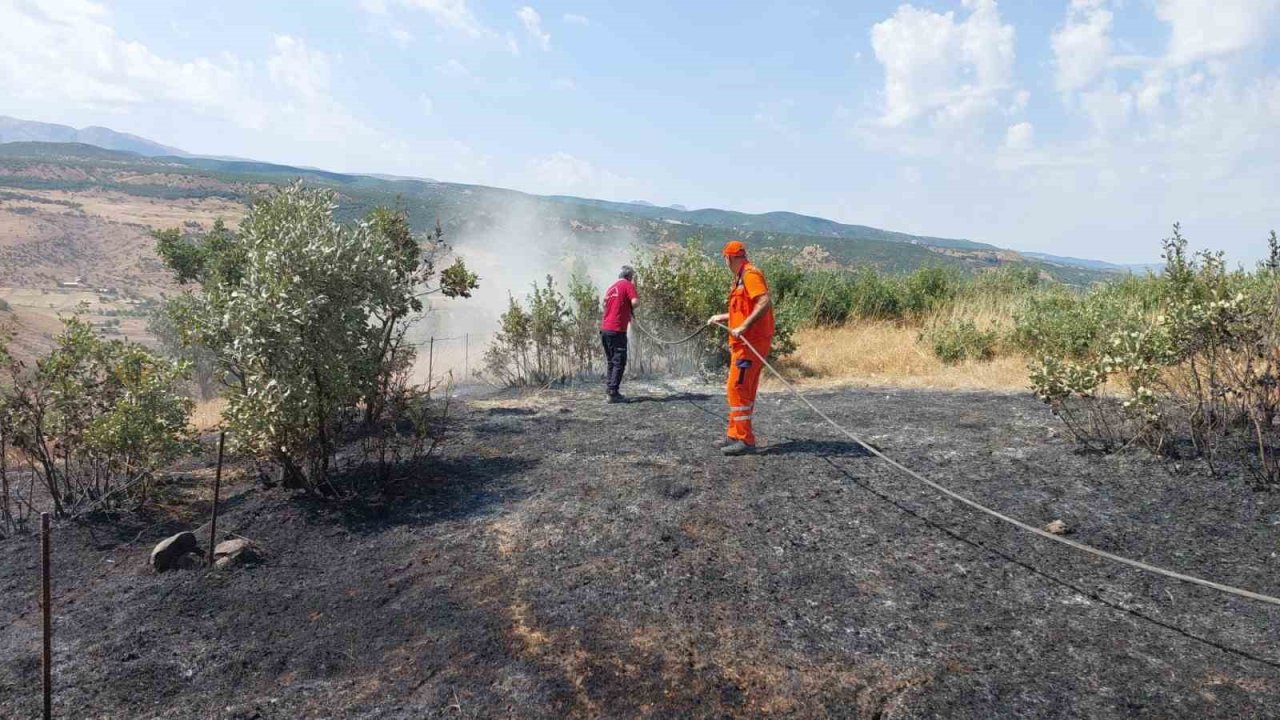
617 306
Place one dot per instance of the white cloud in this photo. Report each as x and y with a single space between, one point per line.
576 19
532 22
1019 137
1107 107
937 67
565 174
451 14
64 59
453 68
1201 29
68 53
1082 46
427 104
1019 104
1188 134
401 37
293 66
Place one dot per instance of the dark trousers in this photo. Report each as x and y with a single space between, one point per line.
615 355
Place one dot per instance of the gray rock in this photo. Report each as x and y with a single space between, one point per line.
236 551
171 553
1057 527
232 547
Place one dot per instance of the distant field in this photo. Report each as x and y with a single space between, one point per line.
35 314
99 237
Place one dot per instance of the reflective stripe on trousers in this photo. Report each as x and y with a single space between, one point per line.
741 387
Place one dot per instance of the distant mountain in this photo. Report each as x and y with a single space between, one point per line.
773 222
1094 264
380 176
465 209
27 138
15 130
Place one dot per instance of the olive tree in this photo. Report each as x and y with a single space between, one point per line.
306 315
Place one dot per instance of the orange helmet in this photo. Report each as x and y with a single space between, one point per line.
734 248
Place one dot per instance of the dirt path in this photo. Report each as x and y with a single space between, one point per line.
573 559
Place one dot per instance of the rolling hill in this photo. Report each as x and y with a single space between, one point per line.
15 130
463 208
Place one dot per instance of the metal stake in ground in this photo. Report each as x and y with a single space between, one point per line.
5 515
431 360
217 487
46 656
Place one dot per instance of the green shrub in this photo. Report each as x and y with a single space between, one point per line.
957 341
1191 356
95 419
928 287
547 338
681 288
307 317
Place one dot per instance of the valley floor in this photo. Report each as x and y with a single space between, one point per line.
568 558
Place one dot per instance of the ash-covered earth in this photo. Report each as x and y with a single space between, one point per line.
568 558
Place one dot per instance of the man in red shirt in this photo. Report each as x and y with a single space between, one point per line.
750 319
619 301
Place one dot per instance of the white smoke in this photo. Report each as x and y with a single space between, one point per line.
511 242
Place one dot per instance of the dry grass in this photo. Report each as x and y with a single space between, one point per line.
884 353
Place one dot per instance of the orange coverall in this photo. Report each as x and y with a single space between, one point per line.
744 366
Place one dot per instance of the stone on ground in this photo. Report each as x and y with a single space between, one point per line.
236 551
171 553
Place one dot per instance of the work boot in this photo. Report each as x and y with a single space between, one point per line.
616 398
738 448
725 442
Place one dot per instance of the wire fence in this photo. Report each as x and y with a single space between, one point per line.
459 357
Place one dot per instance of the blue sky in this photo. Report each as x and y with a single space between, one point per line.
1081 127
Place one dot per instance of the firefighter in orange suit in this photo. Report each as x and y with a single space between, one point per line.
750 319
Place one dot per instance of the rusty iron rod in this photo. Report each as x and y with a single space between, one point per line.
46 656
217 488
5 513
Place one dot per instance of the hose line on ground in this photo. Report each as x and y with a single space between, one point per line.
1000 516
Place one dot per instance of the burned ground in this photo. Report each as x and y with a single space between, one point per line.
567 558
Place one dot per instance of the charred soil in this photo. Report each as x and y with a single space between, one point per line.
568 558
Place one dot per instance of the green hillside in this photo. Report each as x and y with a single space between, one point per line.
461 208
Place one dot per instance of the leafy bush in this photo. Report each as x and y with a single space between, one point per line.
927 288
1193 355
681 287
957 341
94 419
307 318
552 339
